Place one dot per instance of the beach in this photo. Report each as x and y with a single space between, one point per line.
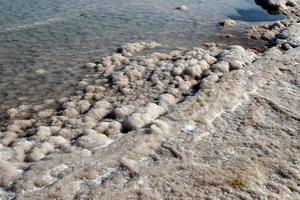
214 121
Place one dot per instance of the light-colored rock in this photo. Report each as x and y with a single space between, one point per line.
182 8
228 23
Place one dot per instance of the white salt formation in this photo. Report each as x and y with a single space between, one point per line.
69 144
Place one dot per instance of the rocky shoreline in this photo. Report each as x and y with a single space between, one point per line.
212 122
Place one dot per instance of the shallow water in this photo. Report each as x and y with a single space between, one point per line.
43 44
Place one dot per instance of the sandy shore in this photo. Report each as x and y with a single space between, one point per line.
211 122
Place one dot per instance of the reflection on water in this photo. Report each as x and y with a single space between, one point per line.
43 43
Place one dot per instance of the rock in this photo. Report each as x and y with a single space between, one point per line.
182 8
228 23
43 131
209 81
221 66
209 59
71 112
122 112
40 152
143 117
40 71
283 35
290 3
272 6
234 65
197 69
92 140
91 65
9 173
268 35
57 141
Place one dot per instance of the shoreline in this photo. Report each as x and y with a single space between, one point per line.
135 115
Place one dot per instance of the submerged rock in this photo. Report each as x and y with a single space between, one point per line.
182 8
228 23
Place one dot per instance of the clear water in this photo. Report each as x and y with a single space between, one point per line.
59 36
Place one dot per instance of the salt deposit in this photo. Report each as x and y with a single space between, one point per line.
136 114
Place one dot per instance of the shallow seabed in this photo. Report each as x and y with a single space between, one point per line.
43 44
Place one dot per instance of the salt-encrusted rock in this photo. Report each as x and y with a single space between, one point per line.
268 35
40 152
90 65
122 112
9 173
71 112
283 35
68 133
40 71
57 141
133 122
83 106
43 180
113 129
143 117
83 84
43 131
99 110
89 122
24 124
270 4
101 127
90 89
290 3
8 137
182 8
11 113
293 35
197 69
6 154
209 80
221 66
92 139
23 144
236 64
158 127
89 131
237 53
45 113
228 23
287 46
167 100
209 59
130 48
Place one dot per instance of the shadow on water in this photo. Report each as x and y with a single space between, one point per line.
255 15
266 13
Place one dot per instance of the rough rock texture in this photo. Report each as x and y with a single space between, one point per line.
205 123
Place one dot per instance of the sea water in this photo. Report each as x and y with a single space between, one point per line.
44 44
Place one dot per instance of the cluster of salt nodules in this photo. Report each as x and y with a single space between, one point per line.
269 31
121 93
288 38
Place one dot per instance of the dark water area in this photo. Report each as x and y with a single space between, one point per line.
261 13
44 44
255 15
